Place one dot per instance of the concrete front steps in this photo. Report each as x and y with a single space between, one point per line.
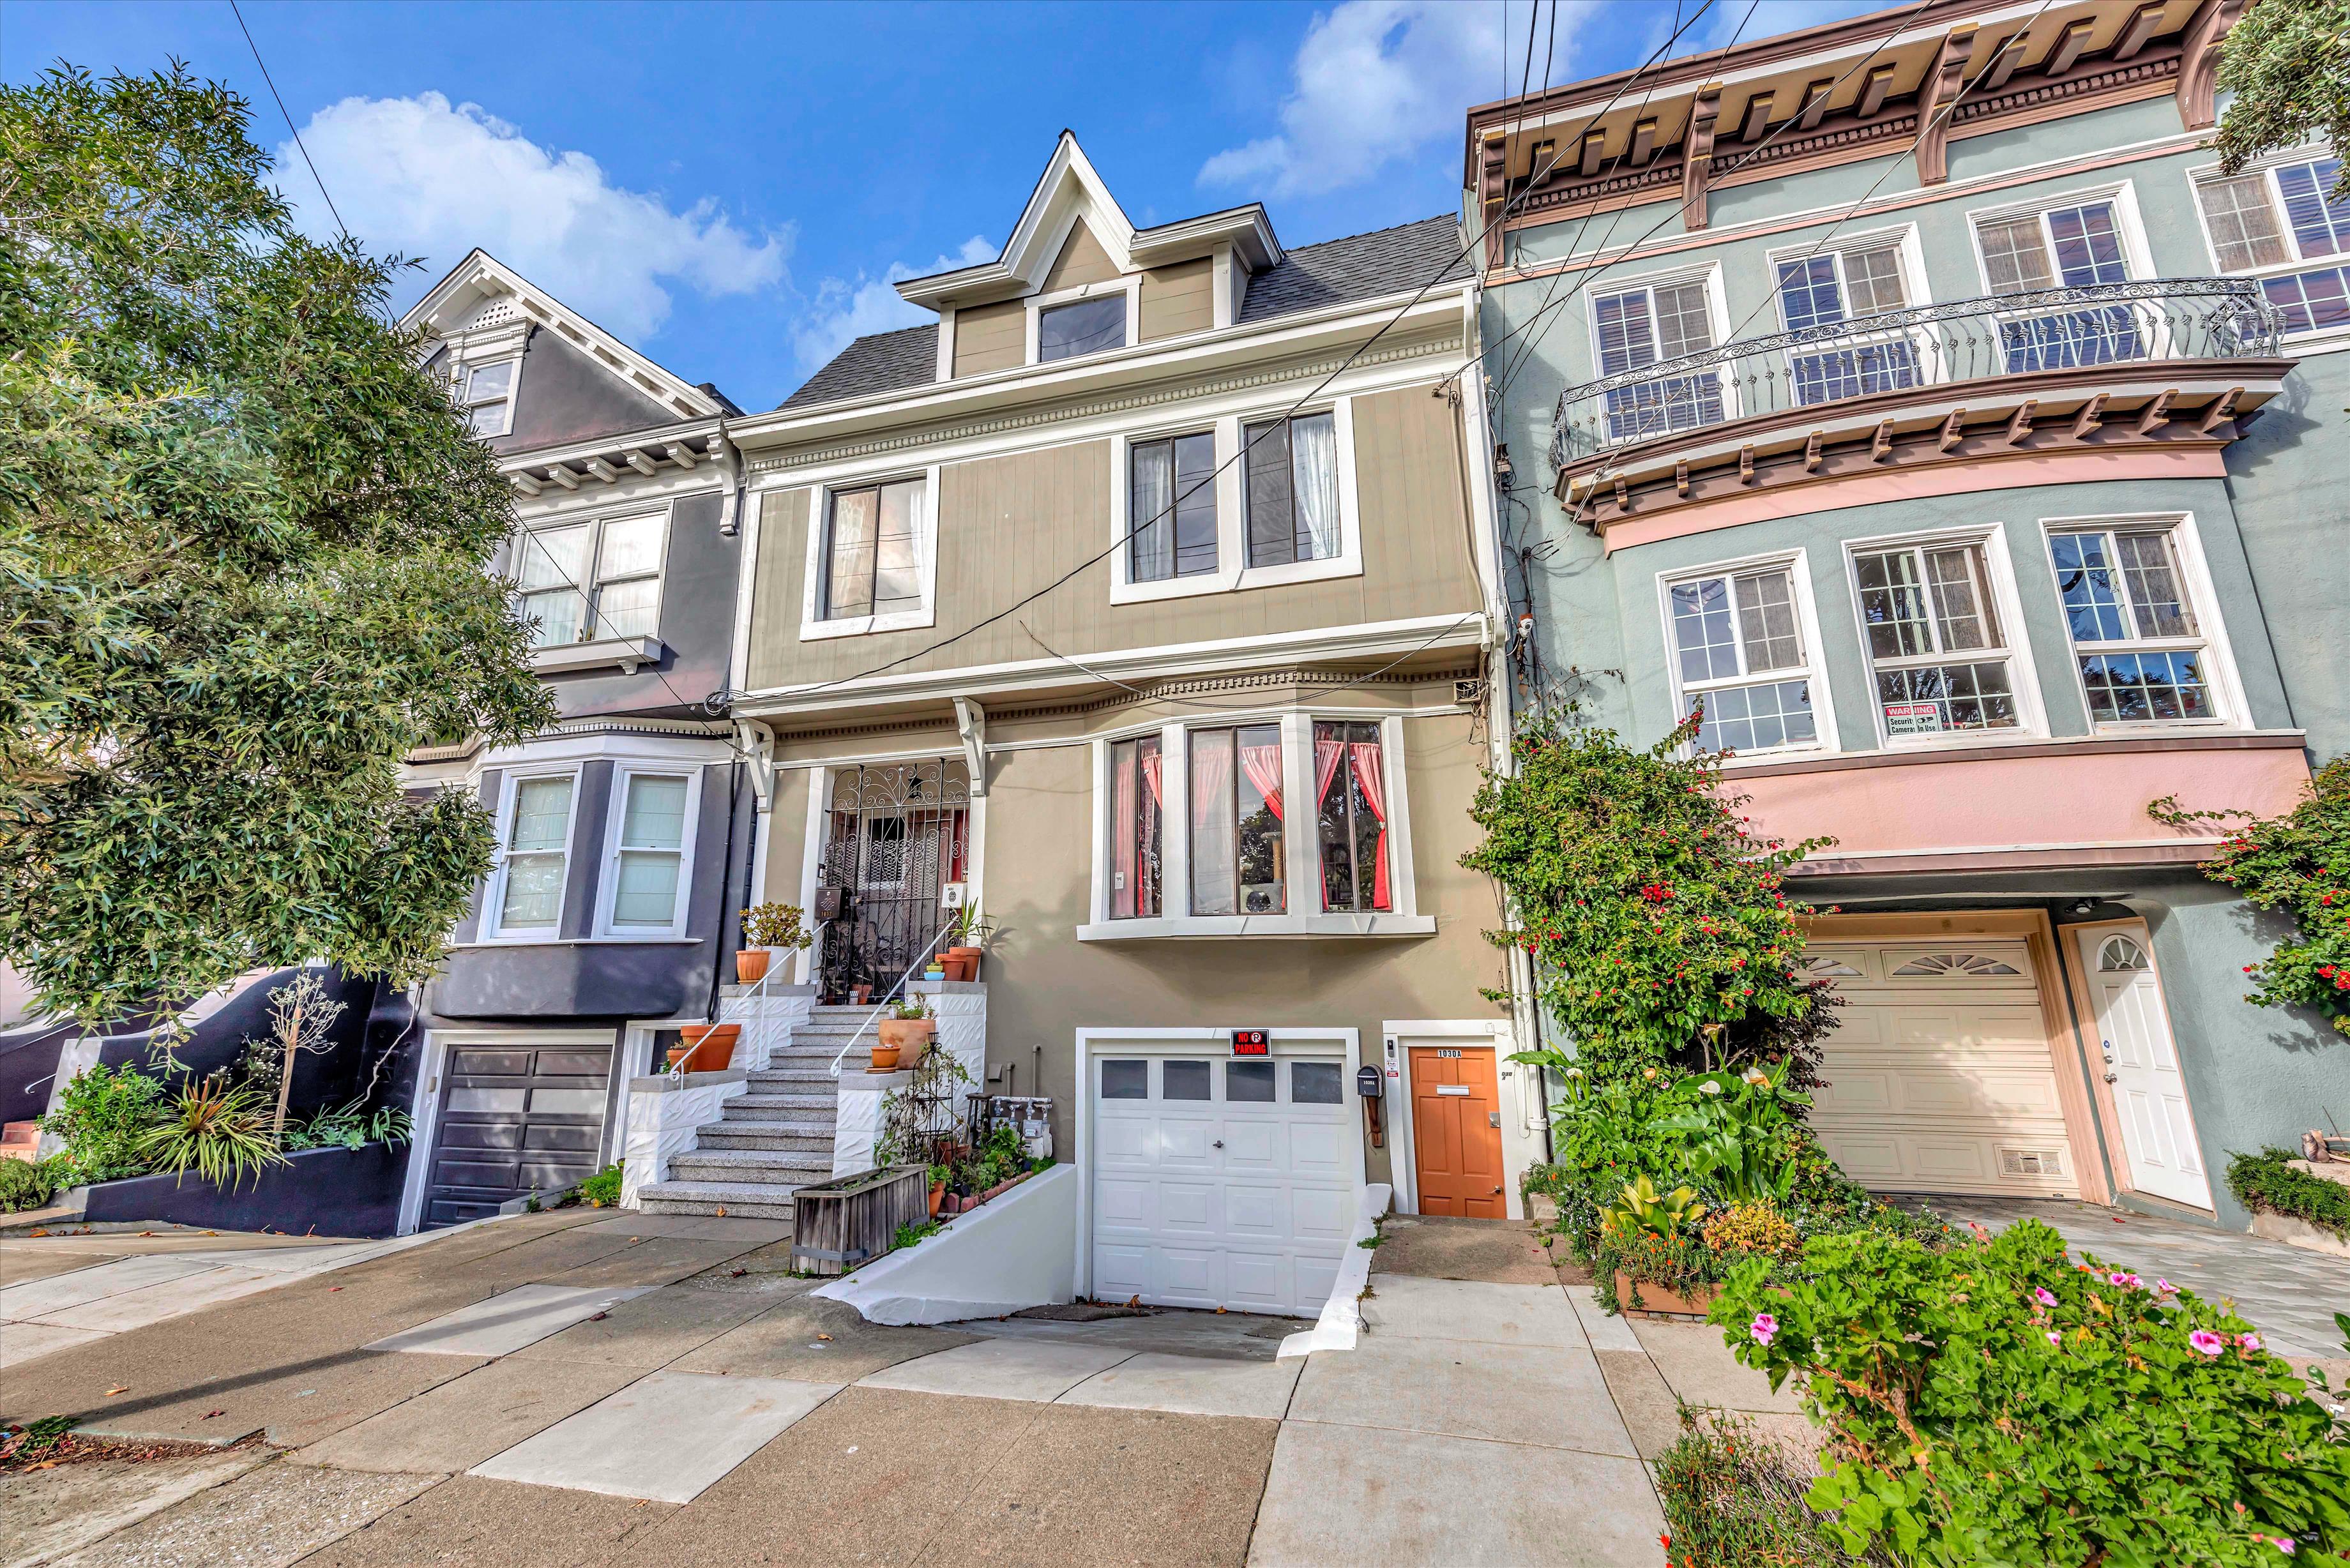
775 1136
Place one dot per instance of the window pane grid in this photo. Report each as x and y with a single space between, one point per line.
2320 225
1920 605
537 834
2243 222
2133 628
1641 328
1238 865
1348 769
872 561
1727 630
1290 484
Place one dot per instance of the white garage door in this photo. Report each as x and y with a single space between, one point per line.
1220 1181
1939 1074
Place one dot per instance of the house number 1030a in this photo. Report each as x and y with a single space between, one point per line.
1449 1054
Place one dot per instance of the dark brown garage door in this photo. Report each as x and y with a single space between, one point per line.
514 1119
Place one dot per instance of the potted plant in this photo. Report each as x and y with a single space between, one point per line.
906 1032
939 1174
967 934
708 1048
769 930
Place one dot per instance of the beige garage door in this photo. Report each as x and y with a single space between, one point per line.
1939 1076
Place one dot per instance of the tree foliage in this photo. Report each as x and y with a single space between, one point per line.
242 542
2298 863
1652 913
2288 65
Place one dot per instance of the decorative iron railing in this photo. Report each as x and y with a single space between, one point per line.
1961 340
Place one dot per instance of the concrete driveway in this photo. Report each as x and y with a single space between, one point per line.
574 1388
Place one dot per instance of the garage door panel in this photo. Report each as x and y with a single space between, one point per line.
1873 1159
1262 1280
1259 1213
514 1119
1122 1271
1253 1145
1322 1149
1125 1140
1186 1143
1321 1214
1190 1276
1124 1204
1189 1206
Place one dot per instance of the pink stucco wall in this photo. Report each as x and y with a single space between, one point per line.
2051 804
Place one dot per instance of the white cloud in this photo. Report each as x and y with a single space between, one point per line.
428 178
845 309
1377 80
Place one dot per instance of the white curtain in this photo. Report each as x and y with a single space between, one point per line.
1314 451
1213 831
1148 518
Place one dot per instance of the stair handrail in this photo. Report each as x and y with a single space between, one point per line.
874 1017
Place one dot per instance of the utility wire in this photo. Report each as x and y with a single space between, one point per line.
1247 446
289 119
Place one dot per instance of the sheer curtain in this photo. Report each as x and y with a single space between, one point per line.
1214 852
1147 518
1123 832
1264 765
1314 452
1372 781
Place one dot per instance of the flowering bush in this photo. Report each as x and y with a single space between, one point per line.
2299 863
2267 1180
1656 919
1756 1227
1998 1402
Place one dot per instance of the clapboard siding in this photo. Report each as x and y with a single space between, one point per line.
991 337
1179 298
1008 525
1082 260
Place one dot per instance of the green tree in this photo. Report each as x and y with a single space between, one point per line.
1661 925
243 549
2288 65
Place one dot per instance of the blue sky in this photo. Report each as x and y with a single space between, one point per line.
731 187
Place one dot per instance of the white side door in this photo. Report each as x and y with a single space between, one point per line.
2141 1064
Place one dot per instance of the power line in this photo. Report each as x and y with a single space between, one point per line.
289 119
1249 444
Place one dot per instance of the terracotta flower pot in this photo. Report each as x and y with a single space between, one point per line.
710 1047
909 1036
751 965
961 964
885 1059
1656 1301
937 1192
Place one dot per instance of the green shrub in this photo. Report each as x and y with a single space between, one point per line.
1996 1402
1735 1499
31 1183
101 1116
347 1126
219 1129
602 1189
2268 1180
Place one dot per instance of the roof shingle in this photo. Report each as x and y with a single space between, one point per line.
884 362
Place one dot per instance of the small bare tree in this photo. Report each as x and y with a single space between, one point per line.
301 1016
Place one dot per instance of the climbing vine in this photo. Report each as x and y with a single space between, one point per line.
1660 924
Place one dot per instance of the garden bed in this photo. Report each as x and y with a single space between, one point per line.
352 1192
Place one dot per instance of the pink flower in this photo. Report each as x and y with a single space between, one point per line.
2118 1278
2284 1543
2044 1296
2251 1343
2163 1287
2054 1337
2206 1342
1764 1328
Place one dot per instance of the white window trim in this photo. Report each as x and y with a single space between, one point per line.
2315 339
489 932
1305 916
812 626
2137 257
1911 252
603 647
1717 308
2233 713
1813 670
608 888
1232 574
514 385
2023 675
1128 284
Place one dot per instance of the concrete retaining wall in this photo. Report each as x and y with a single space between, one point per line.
1016 1253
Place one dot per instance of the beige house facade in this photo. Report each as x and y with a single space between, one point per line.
1060 607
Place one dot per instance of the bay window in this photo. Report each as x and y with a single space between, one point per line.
1136 791
1291 476
587 582
1937 650
1740 655
1237 863
2272 223
2069 247
1840 286
650 850
2141 650
1350 783
1656 324
533 855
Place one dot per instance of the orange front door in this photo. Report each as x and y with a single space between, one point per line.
1456 1132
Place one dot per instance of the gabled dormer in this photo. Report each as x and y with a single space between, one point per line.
1077 279
534 373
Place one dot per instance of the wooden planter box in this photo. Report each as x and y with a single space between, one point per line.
851 1219
1655 1301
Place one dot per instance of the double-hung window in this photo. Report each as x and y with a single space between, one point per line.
1171 507
649 856
871 563
1238 865
1836 287
1652 324
2272 223
2143 654
1082 326
1350 783
533 855
1740 655
1138 788
1292 484
1936 647
590 581
2067 247
486 394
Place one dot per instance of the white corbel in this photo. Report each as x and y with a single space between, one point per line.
525 484
562 475
641 461
603 470
758 742
971 723
681 454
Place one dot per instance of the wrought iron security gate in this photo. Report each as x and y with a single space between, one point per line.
896 834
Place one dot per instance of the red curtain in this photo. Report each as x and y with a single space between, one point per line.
1373 784
1127 830
1263 764
1328 755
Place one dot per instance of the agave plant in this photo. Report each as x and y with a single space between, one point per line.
222 1129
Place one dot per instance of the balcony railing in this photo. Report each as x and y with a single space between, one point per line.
1962 340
